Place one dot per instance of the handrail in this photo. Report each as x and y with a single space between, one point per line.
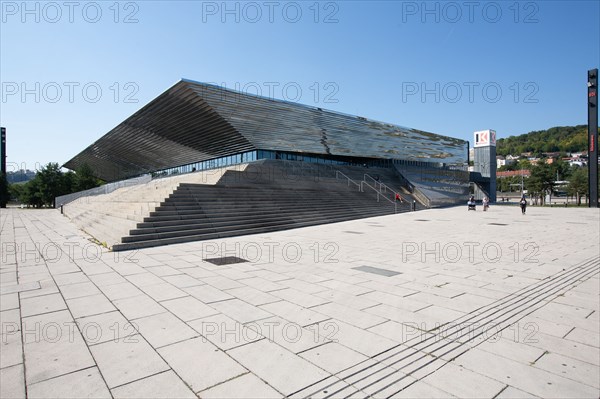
377 182
337 172
414 190
418 194
382 185
362 183
104 189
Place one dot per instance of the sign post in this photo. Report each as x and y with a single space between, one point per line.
593 137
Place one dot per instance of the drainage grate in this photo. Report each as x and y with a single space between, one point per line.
498 224
226 260
376 270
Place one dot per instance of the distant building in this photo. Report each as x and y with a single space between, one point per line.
555 154
501 161
511 173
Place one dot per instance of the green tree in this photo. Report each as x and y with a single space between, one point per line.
85 178
561 169
578 184
51 183
16 191
560 138
69 182
541 182
523 164
32 194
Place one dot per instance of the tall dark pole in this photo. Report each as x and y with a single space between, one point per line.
593 137
4 188
3 150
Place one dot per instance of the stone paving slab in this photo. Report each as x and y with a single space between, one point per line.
87 383
127 359
273 364
239 387
165 385
162 322
201 364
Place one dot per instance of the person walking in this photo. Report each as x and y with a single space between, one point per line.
486 203
523 204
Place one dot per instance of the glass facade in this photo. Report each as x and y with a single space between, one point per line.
250 156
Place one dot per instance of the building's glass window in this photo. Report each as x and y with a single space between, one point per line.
429 170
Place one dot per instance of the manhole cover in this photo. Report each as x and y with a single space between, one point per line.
376 270
226 260
498 224
422 220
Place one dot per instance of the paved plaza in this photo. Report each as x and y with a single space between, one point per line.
436 304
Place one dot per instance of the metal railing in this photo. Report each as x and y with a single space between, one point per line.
414 190
364 183
361 188
422 198
105 189
382 186
349 180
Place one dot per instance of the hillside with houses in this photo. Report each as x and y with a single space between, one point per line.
544 163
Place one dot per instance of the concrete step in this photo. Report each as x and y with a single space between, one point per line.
257 211
237 220
229 233
242 205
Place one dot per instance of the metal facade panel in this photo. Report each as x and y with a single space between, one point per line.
176 128
286 126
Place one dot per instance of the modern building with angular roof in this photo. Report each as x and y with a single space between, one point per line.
192 122
201 162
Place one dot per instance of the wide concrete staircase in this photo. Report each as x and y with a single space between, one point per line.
259 197
109 217
267 196
441 187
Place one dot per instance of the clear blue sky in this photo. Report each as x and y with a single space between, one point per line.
372 59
